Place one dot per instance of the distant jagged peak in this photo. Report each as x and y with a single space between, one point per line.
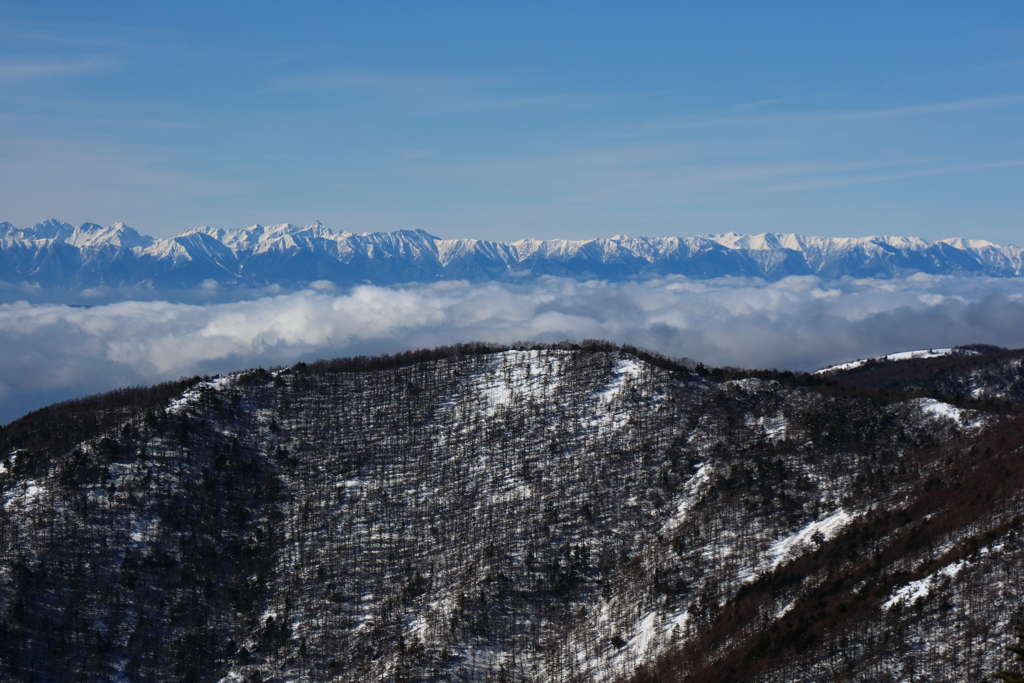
258 230
318 229
394 236
283 229
261 233
553 247
594 248
85 235
449 251
795 242
50 229
766 240
902 242
966 244
117 235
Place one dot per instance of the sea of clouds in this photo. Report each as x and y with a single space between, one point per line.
53 352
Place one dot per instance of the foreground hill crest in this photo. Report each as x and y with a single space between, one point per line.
57 254
577 512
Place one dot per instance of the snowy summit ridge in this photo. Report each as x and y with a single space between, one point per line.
57 254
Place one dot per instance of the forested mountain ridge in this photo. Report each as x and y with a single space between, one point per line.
54 254
538 513
977 371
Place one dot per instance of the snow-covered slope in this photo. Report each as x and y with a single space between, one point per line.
289 255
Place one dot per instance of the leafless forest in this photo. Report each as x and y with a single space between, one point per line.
577 512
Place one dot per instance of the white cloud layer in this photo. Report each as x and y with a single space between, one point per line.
54 352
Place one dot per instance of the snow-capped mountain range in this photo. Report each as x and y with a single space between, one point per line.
57 254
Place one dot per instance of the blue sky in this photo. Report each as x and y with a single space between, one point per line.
511 120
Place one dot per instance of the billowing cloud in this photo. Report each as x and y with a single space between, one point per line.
54 352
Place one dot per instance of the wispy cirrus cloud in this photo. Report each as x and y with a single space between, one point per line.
801 115
34 70
935 107
818 183
762 103
54 352
377 82
426 92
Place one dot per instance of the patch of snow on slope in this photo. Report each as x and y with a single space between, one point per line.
792 546
921 588
516 375
626 369
939 409
694 490
647 631
608 416
943 411
22 497
775 428
785 610
193 393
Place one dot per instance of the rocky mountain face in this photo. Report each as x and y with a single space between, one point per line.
56 254
539 513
